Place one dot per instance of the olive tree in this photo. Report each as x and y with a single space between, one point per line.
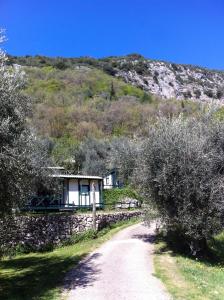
181 173
123 155
96 157
21 153
90 157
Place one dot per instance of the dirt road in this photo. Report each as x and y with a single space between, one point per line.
121 269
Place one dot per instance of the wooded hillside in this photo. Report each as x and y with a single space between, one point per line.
75 99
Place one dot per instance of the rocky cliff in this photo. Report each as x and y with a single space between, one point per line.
169 80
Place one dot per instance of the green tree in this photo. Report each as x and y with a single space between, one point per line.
123 156
21 154
181 171
112 91
91 157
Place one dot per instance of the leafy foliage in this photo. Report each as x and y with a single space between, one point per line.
123 157
91 157
21 153
181 171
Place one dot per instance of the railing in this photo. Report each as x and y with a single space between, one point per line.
51 207
45 200
54 203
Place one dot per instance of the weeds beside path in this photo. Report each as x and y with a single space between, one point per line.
39 275
189 279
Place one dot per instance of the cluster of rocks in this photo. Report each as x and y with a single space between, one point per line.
128 203
169 80
40 231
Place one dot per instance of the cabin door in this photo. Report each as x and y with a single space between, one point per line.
84 195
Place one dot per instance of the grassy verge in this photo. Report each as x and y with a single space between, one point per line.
39 275
189 279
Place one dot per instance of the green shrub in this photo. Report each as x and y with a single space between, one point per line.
113 196
216 244
132 91
219 114
146 98
17 250
48 69
209 93
63 148
52 85
220 94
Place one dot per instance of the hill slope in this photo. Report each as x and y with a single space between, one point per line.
83 102
79 98
163 79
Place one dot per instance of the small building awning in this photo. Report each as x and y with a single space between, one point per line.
76 176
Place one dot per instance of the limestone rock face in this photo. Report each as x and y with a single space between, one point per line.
169 80
128 203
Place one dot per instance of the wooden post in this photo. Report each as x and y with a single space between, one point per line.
94 205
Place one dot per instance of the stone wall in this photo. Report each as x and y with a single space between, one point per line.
38 231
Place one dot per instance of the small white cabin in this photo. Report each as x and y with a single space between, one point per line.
79 190
75 191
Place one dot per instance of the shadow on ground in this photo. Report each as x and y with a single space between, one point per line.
212 257
84 274
147 238
33 277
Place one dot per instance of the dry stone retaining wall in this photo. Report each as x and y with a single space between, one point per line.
36 232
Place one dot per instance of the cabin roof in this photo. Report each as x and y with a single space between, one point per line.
76 176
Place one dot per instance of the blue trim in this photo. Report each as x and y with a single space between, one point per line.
85 194
79 190
67 192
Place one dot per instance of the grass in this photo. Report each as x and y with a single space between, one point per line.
40 275
189 279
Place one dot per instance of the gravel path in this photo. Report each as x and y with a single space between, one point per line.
121 269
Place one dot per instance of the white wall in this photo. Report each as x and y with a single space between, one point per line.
73 192
108 182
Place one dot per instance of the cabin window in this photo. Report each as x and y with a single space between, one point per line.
84 195
107 180
84 189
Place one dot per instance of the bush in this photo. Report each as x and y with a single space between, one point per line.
63 147
209 93
113 196
181 171
219 94
219 114
197 93
146 98
132 91
52 85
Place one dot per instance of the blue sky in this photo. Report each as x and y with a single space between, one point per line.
182 31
